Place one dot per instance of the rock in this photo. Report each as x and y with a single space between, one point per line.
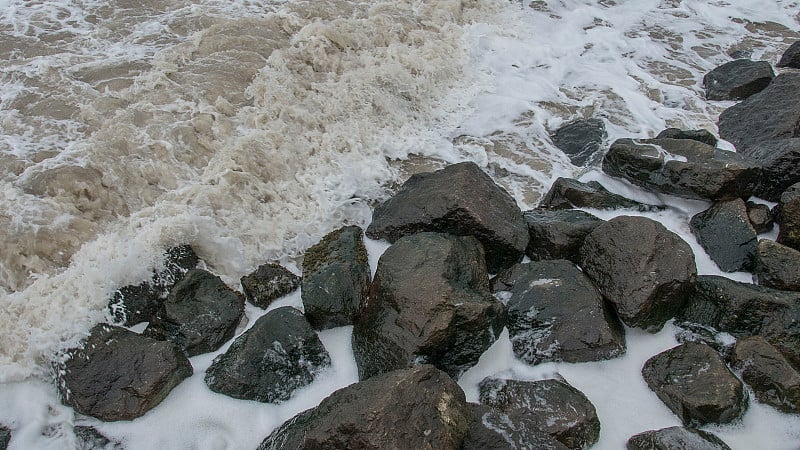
557 234
429 304
760 216
557 408
335 278
789 217
88 438
5 437
120 375
200 313
695 332
556 314
568 193
461 200
645 270
771 114
491 429
725 232
694 382
773 379
676 438
701 135
418 408
736 80
581 139
777 266
279 354
682 167
780 161
791 57
268 283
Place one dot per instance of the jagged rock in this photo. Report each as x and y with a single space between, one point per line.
418 408
780 161
200 313
88 438
777 266
725 232
279 354
5 437
461 200
557 234
676 438
491 429
556 314
557 408
773 379
581 139
701 135
568 193
791 57
683 167
694 382
760 216
789 217
736 80
429 303
268 283
335 278
120 375
645 270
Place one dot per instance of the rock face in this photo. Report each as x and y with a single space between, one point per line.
736 80
780 160
419 408
580 140
567 193
120 375
461 200
200 313
645 270
789 233
760 216
335 278
682 167
774 381
557 234
557 408
725 232
267 363
556 314
701 135
777 266
676 438
791 57
268 283
771 114
492 429
694 382
429 303
88 438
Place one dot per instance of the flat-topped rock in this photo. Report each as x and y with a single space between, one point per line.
268 283
558 234
701 135
676 438
738 79
568 193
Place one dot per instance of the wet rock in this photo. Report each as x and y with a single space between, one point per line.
695 332
415 408
120 375
777 266
701 135
676 438
736 80
200 313
791 57
461 200
774 381
268 283
645 270
557 408
279 354
429 304
683 167
5 437
694 382
556 314
780 160
580 140
789 217
725 232
760 216
568 193
335 278
492 429
557 234
88 438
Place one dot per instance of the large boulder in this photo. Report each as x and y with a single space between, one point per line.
120 375
777 266
580 140
461 200
645 270
676 438
791 57
418 408
568 193
557 234
725 232
429 304
555 313
774 381
492 429
279 354
335 278
780 161
700 135
268 283
736 80
789 217
694 382
682 167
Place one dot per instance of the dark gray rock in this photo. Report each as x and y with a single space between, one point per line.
581 139
683 167
777 266
676 438
120 375
5 437
556 314
557 408
725 232
773 379
429 304
568 193
88 438
701 135
461 200
492 429
780 161
279 354
418 408
736 80
557 234
200 313
335 278
760 216
695 332
268 283
791 57
645 270
789 217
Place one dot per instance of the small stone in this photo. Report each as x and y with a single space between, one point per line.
760 216
580 140
268 283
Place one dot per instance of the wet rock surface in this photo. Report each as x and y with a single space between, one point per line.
791 57
772 378
703 136
492 429
268 283
726 234
580 140
88 438
568 193
777 266
5 437
557 234
789 217
760 216
676 438
736 80
780 161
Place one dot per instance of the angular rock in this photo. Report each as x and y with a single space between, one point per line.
268 283
780 161
568 193
683 167
557 408
335 278
725 232
279 354
5 437
88 438
701 135
415 408
736 80
461 200
581 139
557 234
789 217
491 429
645 270
760 216
773 379
777 266
200 313
676 438
429 304
791 57
120 375
556 314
